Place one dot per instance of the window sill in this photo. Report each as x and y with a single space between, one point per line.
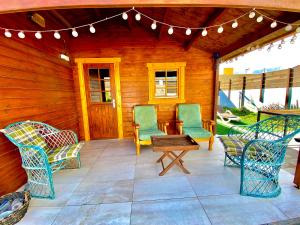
166 101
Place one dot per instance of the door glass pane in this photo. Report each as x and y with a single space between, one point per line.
95 97
106 96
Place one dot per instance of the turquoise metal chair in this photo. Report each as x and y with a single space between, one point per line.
145 125
44 151
259 150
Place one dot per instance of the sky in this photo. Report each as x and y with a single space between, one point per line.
286 57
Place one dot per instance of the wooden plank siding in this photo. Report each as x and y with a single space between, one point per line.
136 48
35 84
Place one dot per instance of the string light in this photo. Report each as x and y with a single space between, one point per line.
38 35
138 16
234 24
270 47
92 29
56 35
273 24
188 31
74 33
288 27
7 33
259 19
153 25
293 39
21 35
252 14
220 29
124 16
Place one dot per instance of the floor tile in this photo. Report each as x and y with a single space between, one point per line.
162 188
240 210
102 192
40 215
110 214
168 212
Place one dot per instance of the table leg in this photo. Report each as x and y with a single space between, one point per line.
162 157
175 161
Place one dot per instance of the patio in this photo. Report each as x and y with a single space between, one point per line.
114 186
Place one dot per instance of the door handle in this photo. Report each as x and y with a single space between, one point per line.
114 103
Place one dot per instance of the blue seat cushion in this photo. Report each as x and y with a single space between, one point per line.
196 132
145 135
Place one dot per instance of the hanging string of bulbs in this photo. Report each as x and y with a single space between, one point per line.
138 16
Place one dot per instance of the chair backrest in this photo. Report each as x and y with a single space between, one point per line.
24 133
190 114
145 116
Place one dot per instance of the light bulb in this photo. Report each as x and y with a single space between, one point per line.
259 19
220 29
234 24
7 33
74 33
298 30
170 30
92 29
138 16
56 35
38 35
21 35
282 42
279 46
153 25
273 24
188 31
251 14
124 16
204 32
288 27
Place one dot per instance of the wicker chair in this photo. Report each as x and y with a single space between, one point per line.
259 150
189 121
145 125
44 150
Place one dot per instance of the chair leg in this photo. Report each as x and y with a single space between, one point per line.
138 147
211 142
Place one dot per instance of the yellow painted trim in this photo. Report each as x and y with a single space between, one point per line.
180 67
116 62
85 117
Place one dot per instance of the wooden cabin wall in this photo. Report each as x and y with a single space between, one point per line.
35 84
137 47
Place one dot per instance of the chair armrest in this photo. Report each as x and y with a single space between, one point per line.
136 126
179 126
208 124
162 125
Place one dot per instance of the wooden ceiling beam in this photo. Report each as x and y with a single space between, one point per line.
258 37
61 18
160 27
27 5
210 21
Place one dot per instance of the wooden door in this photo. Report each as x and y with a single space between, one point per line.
101 95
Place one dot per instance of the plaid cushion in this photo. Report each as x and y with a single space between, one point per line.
64 152
234 145
26 134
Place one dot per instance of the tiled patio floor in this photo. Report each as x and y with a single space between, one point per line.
116 187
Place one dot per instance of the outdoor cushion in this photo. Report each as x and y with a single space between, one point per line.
26 134
64 152
196 132
146 117
145 135
190 115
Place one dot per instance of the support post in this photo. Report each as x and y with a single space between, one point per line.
229 89
288 96
262 88
216 61
243 92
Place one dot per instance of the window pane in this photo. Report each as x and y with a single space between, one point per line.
95 97
160 92
172 92
104 73
94 85
172 78
93 73
106 96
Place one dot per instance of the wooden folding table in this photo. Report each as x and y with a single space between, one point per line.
170 143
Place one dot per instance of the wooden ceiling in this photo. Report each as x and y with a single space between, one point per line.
231 39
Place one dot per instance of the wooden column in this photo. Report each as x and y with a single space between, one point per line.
216 86
288 96
262 88
243 92
229 89
297 172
